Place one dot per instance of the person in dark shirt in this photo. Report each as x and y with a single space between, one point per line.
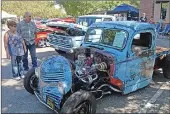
143 18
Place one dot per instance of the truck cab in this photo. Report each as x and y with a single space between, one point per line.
132 45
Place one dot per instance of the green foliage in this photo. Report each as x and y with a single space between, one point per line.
75 8
43 9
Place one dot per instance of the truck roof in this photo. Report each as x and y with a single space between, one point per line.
97 16
126 24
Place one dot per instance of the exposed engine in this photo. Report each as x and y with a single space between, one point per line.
92 69
89 63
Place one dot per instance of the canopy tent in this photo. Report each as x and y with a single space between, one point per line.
7 15
124 8
132 12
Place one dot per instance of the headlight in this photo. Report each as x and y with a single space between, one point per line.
37 71
61 87
70 41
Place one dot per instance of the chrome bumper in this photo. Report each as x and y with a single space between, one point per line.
39 98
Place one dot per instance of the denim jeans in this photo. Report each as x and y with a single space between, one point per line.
32 50
17 66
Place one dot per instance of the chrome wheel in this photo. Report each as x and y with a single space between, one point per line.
42 43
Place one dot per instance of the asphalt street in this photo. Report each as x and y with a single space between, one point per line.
155 98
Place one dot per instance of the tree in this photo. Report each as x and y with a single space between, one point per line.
75 8
43 9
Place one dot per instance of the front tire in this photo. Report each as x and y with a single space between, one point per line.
166 67
30 81
81 102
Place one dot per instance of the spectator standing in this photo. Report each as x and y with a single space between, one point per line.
27 29
124 17
15 49
143 18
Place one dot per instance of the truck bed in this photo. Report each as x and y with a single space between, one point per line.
162 46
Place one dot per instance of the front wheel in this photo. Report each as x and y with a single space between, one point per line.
166 67
30 81
81 102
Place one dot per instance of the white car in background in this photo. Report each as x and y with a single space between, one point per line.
87 20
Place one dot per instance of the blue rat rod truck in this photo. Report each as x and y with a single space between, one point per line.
122 58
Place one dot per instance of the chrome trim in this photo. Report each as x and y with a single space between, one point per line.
43 102
68 50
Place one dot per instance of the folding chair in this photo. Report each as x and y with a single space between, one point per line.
158 27
166 30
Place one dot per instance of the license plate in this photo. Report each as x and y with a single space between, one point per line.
50 102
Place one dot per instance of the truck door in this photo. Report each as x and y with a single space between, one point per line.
140 61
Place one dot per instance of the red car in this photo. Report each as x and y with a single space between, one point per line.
68 20
41 36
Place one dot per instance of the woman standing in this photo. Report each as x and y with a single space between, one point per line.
15 49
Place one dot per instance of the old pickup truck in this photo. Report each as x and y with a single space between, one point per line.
122 59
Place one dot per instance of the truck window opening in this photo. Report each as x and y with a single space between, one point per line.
142 40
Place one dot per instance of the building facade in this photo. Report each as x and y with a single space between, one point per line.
147 6
152 8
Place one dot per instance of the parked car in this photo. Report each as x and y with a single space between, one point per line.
42 33
42 23
122 60
55 28
76 41
87 20
68 20
67 42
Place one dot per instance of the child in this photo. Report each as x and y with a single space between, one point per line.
15 49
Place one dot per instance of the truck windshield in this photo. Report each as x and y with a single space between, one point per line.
115 38
87 21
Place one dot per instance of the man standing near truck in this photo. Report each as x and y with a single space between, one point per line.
27 29
143 18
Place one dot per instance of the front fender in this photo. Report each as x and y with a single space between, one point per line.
54 71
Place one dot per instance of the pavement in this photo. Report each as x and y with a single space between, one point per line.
155 98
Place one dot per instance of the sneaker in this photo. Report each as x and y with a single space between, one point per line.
17 78
23 76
